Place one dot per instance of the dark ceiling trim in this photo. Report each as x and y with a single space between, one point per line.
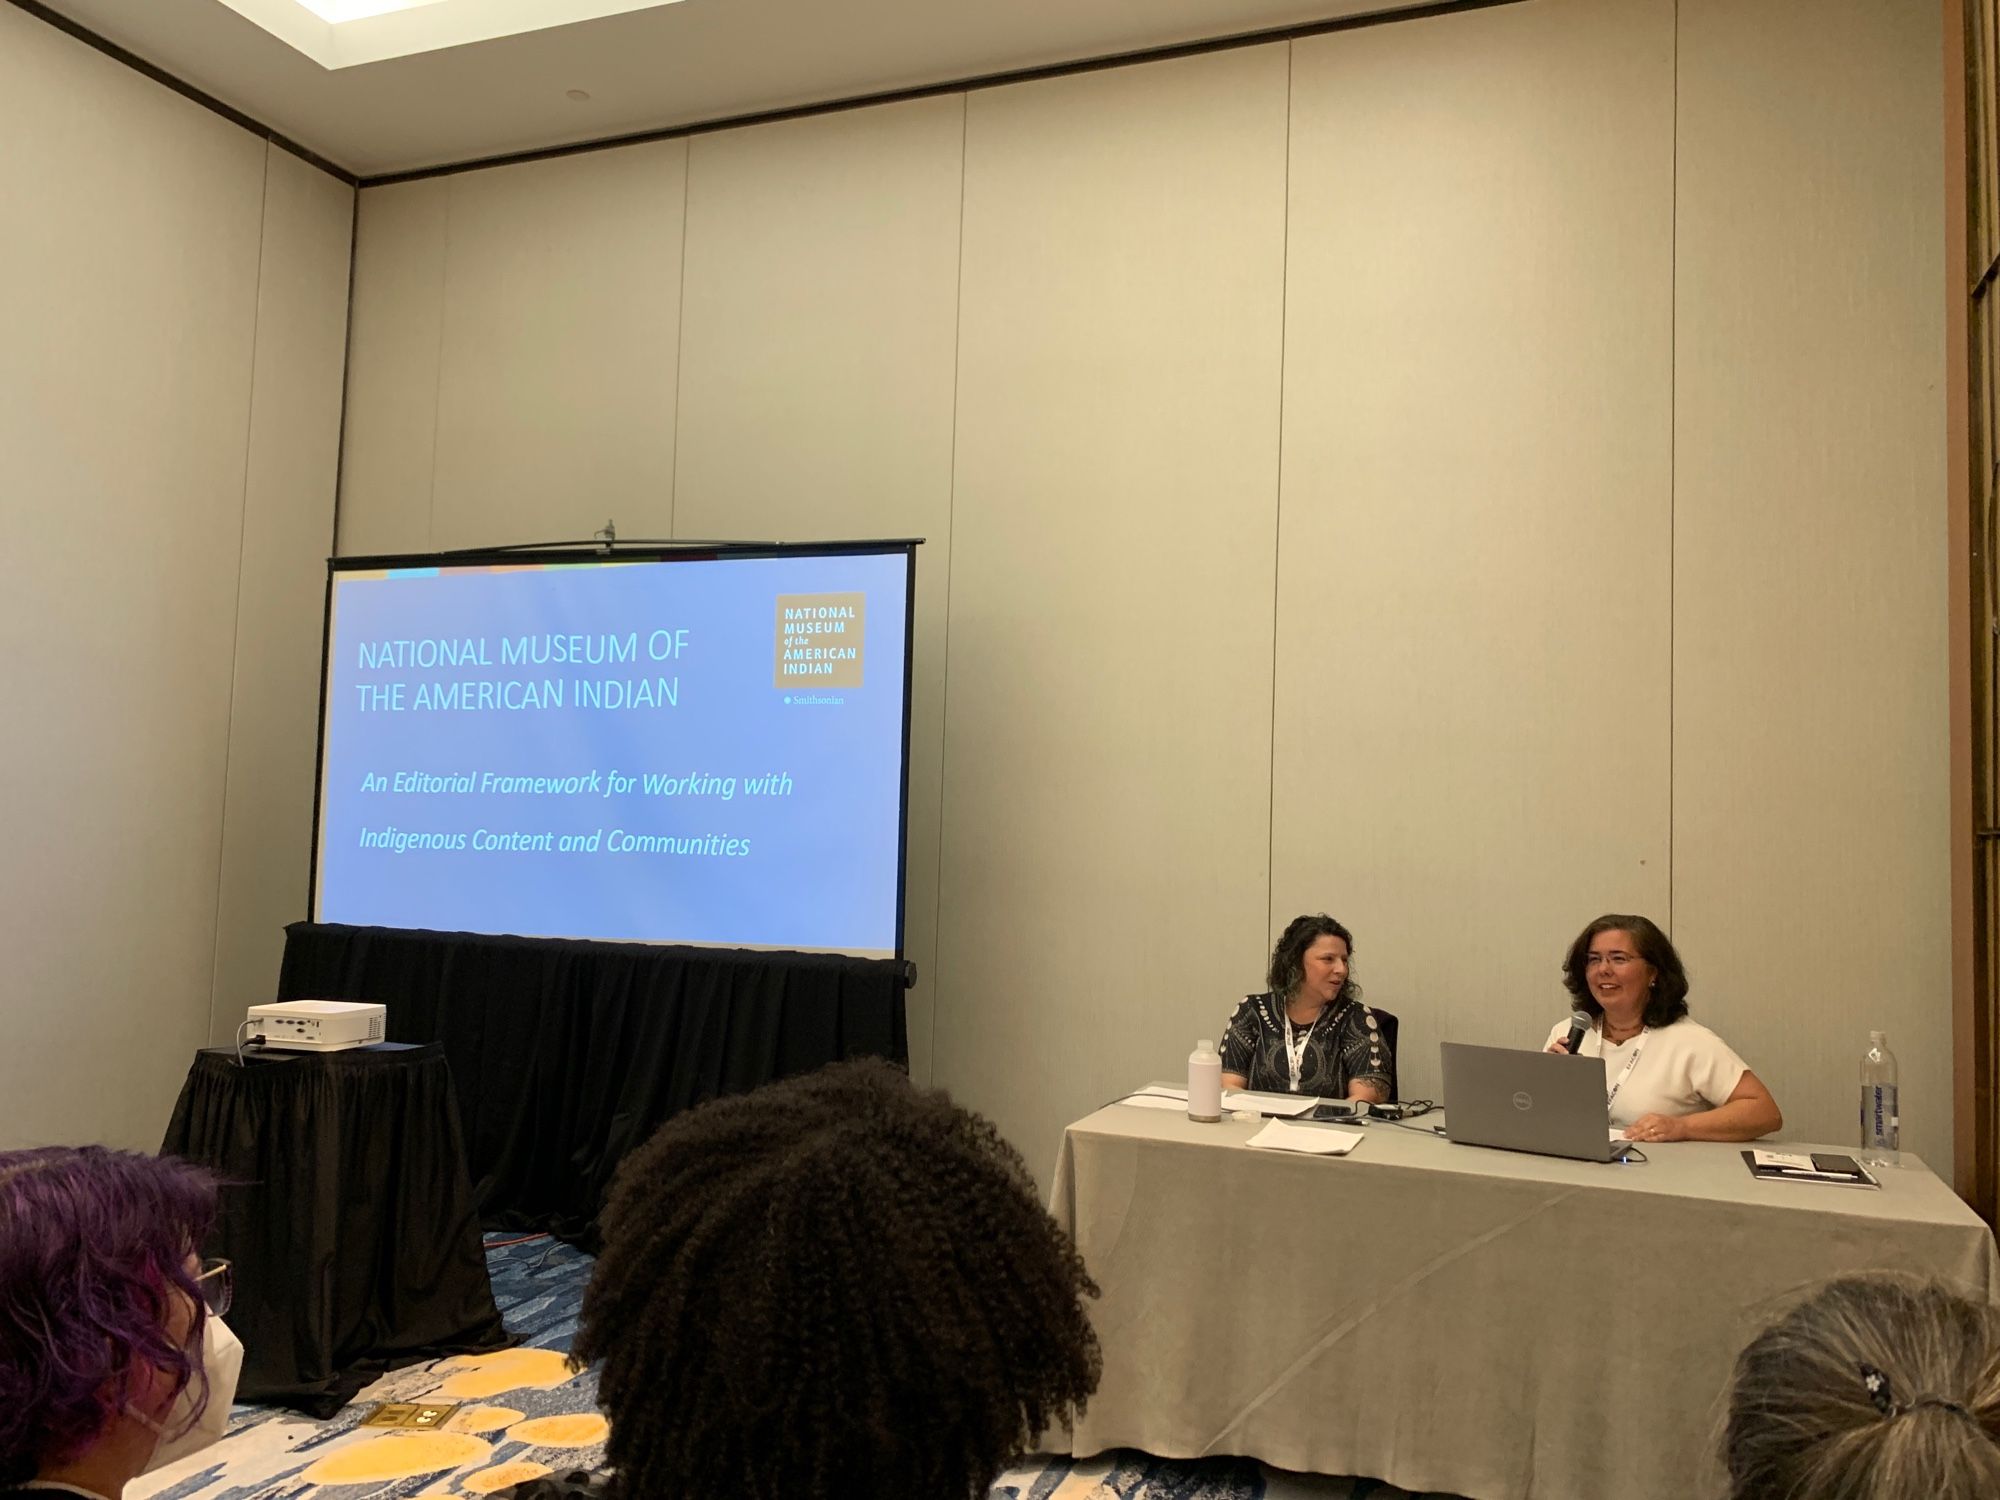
257 128
186 90
955 86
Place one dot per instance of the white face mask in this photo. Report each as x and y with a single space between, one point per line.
221 1365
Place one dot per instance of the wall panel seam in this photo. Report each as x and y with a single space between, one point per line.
950 553
680 341
346 370
1278 517
437 378
1673 445
236 614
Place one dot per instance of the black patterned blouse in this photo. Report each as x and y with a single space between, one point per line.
1343 1045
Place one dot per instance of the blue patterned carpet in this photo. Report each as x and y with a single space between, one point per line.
525 1414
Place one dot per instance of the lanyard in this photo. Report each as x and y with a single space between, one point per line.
1630 1063
1295 1050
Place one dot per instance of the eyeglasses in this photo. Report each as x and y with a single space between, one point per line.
217 1283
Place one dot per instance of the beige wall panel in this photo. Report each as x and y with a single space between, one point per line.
561 322
389 432
1107 747
1471 727
1810 759
817 346
287 531
128 276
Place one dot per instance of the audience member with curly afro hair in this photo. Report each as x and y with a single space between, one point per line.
839 1285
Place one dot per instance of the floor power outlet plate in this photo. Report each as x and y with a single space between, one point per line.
414 1415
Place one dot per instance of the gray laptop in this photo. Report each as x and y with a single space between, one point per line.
1526 1101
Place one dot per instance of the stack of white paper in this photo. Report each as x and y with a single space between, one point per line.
1288 1106
1318 1140
1158 1099
1239 1101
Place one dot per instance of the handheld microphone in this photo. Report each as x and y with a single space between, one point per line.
1579 1027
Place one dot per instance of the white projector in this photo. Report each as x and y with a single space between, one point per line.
317 1025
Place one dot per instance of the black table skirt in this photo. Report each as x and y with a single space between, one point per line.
567 1055
347 1212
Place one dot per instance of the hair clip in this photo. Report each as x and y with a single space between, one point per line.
1878 1389
1884 1397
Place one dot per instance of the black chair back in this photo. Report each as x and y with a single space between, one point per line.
1388 1025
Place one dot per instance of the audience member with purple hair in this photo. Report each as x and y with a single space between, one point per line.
103 1311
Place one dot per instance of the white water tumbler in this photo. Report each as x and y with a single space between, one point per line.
1204 1084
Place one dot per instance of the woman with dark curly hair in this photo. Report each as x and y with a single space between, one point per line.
1309 1033
104 1315
1666 1077
838 1285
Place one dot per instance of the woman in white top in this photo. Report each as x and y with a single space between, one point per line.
1666 1078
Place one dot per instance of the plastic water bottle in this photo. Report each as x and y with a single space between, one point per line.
1204 1084
1880 1124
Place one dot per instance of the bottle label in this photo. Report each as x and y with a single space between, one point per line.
1880 1122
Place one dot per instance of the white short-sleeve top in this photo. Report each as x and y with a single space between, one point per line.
1682 1069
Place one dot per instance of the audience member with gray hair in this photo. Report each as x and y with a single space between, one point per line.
1875 1387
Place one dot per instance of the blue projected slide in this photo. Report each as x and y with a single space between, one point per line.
704 750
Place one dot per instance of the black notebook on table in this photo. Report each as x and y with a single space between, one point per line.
1830 1167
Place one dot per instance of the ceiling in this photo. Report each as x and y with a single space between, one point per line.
341 33
646 69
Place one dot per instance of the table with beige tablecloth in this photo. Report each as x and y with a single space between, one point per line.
1447 1317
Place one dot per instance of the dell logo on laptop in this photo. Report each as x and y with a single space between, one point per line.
1524 1100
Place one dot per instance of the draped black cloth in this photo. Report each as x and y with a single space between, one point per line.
569 1054
347 1212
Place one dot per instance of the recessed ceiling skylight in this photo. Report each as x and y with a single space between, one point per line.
342 33
337 11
